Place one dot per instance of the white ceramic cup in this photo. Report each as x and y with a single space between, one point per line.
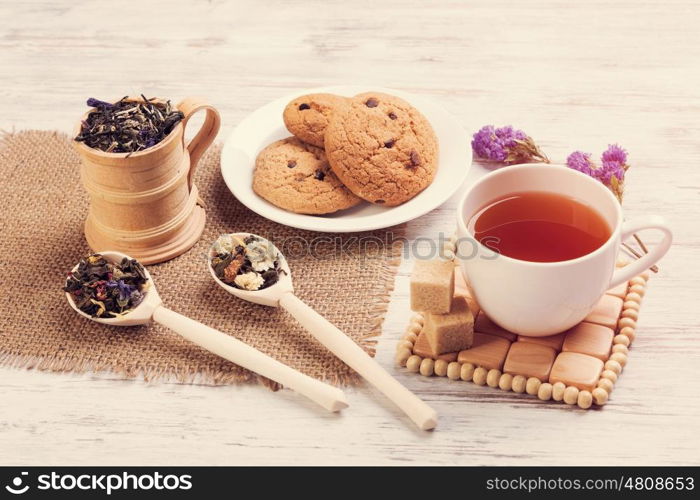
544 298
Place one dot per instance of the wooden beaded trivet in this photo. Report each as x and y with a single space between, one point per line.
577 367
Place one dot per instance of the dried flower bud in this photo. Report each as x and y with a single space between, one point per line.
506 145
611 172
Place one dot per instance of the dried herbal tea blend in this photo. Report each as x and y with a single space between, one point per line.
251 263
127 126
104 289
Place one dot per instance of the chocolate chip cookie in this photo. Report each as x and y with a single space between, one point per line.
307 116
296 176
382 148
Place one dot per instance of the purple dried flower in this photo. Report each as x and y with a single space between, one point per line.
486 144
136 298
506 145
614 153
612 171
578 160
96 103
609 169
125 290
509 134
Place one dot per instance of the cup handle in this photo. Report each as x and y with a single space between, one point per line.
646 261
206 135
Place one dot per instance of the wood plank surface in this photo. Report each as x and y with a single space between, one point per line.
573 75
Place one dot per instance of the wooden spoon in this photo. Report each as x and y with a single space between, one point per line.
281 294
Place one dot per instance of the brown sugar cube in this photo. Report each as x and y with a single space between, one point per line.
484 325
553 341
606 311
579 370
450 332
432 286
619 291
488 351
462 290
422 348
589 338
531 360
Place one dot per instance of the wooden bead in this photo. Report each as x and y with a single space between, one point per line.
413 363
454 370
630 304
519 384
479 377
614 366
621 262
427 367
626 322
440 367
492 377
402 356
467 372
506 382
619 357
585 400
633 297
449 254
411 337
630 313
545 392
610 375
600 396
628 332
571 395
453 239
621 348
404 344
638 280
640 289
417 318
645 276
606 384
558 391
414 328
533 385
621 339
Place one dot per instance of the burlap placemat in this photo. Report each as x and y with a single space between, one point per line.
42 209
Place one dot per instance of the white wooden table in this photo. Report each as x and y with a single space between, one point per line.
573 75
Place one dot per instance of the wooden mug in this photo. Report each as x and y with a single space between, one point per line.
145 204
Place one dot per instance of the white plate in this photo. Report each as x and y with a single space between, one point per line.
265 125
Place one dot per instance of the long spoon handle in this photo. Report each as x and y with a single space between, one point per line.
242 354
346 349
